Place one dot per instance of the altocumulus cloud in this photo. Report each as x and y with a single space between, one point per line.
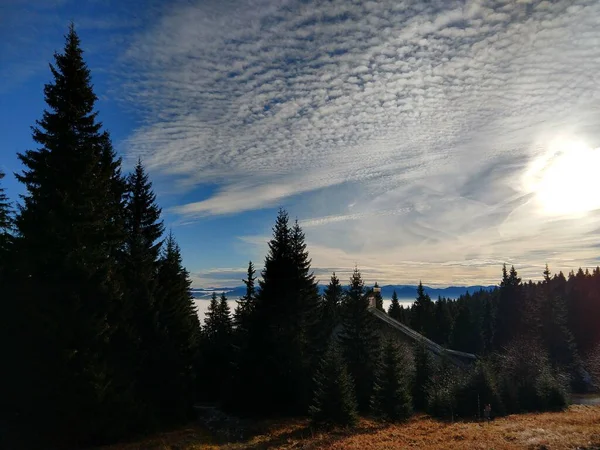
417 120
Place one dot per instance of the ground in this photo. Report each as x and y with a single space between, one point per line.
576 428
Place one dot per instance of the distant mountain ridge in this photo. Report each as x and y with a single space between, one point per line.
404 291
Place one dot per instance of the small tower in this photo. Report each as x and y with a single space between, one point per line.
373 296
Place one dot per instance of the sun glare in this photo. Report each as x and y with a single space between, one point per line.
566 181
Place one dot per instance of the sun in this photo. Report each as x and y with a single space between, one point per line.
566 181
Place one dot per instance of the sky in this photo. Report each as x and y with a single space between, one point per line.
418 140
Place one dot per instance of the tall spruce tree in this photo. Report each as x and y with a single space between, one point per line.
179 332
333 401
510 306
217 349
243 360
392 399
284 323
359 340
5 221
443 322
69 231
332 301
137 342
424 370
245 305
394 309
422 313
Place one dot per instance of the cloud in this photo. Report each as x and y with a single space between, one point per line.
428 113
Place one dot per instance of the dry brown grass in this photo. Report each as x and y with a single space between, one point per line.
576 428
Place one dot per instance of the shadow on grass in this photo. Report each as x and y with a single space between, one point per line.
302 435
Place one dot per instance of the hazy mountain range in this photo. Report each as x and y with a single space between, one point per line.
405 292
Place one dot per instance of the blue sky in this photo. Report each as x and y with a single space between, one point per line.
420 140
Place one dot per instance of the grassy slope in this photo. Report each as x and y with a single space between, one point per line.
579 427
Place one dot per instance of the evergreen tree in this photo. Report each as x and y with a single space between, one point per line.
394 309
284 326
243 364
359 340
509 307
424 370
488 325
5 222
554 322
332 300
422 313
333 402
443 322
69 231
392 399
245 305
308 311
137 342
179 332
464 335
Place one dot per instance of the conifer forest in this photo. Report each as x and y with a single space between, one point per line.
101 340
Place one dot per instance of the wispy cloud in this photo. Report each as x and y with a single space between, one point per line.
429 113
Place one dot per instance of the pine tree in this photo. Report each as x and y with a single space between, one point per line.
394 309
332 301
464 336
5 221
179 332
333 401
329 313
308 312
556 335
138 341
488 321
443 322
510 305
285 322
243 360
69 231
392 399
422 313
424 370
359 340
245 305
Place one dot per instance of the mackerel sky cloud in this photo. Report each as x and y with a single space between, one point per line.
411 138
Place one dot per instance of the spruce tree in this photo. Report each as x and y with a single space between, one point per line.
443 322
394 309
329 312
488 328
359 340
308 311
138 341
422 313
179 332
464 337
243 360
424 370
69 230
510 306
245 305
333 401
392 399
5 221
332 300
284 325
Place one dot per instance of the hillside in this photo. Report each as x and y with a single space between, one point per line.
576 428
